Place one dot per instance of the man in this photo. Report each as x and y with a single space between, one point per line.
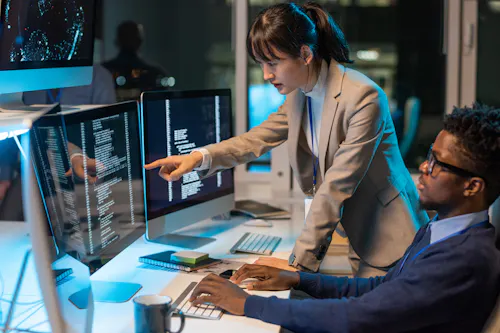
447 281
132 74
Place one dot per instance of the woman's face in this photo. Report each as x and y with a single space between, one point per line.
286 73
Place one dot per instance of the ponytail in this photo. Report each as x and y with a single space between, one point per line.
331 40
286 27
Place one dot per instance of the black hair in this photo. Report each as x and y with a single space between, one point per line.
288 26
129 35
477 130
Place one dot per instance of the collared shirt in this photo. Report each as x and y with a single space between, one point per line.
101 91
317 95
443 228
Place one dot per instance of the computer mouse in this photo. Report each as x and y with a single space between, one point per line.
258 223
246 282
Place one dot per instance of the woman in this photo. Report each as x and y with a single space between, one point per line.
342 143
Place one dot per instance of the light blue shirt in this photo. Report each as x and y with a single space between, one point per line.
101 91
444 228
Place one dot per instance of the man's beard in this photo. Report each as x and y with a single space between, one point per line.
427 205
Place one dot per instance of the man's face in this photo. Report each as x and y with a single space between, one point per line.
442 189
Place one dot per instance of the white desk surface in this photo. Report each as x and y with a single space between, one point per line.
125 267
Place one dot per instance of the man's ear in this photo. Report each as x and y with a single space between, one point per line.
306 54
474 186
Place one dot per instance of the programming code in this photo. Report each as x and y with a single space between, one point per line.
188 124
107 178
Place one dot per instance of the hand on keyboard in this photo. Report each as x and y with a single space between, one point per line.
270 278
220 292
203 311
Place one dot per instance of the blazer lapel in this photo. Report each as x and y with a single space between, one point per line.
295 111
333 89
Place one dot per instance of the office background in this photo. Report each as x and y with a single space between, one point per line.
427 55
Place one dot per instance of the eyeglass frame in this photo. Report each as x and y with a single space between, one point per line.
432 161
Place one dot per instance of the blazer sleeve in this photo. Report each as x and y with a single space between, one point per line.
250 145
352 160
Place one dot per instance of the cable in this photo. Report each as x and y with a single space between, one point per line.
21 303
28 316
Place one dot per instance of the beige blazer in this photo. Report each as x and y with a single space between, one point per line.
362 182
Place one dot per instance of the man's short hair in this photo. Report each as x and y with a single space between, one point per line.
477 130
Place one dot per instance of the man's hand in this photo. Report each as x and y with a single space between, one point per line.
4 187
271 278
275 262
173 167
222 293
78 171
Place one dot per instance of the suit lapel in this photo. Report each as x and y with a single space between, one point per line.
295 111
333 89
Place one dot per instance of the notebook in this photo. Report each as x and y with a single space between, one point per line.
258 210
163 259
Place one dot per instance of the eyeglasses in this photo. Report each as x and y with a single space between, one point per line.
432 161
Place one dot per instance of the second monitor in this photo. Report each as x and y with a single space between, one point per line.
175 123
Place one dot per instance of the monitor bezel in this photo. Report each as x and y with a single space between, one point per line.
164 95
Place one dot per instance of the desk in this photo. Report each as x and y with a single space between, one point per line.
125 267
113 317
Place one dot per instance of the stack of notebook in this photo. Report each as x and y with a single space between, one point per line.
188 261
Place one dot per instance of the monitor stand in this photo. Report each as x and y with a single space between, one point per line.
183 241
107 292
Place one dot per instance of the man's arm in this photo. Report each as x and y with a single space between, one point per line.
414 300
350 164
324 286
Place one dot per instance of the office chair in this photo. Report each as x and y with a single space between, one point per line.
411 122
493 324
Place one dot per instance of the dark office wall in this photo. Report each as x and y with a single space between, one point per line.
178 34
421 64
488 51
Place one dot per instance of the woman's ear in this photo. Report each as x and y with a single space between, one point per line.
306 54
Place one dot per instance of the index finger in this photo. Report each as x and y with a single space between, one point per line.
155 164
202 288
247 271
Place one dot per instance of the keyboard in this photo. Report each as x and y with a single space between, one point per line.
256 243
204 311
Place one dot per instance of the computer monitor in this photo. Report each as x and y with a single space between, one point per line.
175 123
89 169
263 99
45 44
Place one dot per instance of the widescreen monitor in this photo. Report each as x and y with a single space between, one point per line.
175 123
88 165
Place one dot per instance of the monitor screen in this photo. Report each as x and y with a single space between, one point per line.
175 123
88 164
46 33
45 44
